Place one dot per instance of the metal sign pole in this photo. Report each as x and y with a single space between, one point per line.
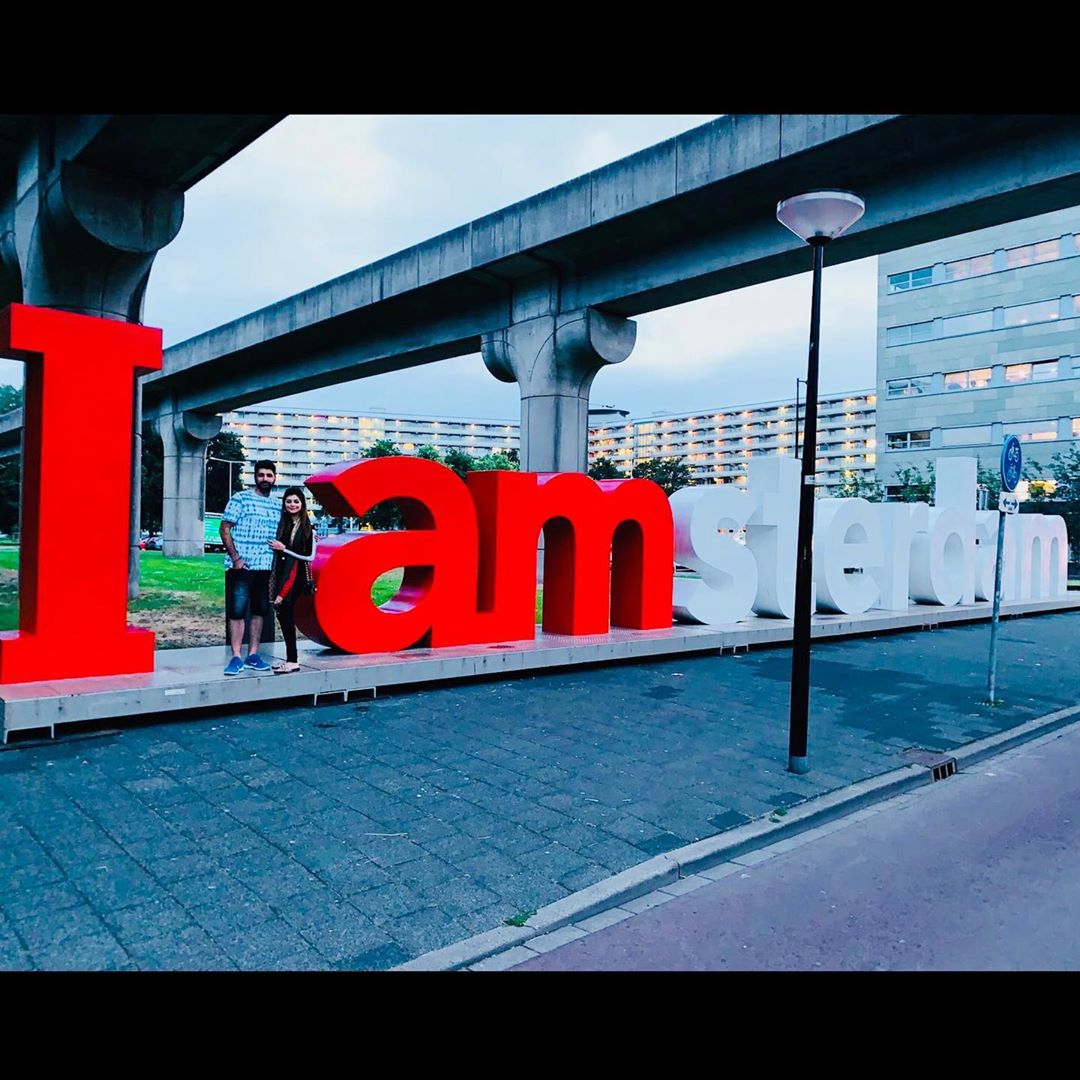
1012 460
992 679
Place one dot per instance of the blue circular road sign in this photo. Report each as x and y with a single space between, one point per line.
1012 461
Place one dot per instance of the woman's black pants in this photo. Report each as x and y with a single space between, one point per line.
288 625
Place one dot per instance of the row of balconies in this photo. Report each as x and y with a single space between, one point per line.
753 432
847 446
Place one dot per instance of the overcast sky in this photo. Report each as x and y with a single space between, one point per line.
318 196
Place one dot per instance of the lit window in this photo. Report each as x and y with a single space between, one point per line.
974 379
908 440
1033 430
1076 427
973 267
1038 372
919 384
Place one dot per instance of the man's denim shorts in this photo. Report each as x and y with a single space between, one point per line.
244 587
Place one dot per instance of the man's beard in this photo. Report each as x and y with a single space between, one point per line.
264 487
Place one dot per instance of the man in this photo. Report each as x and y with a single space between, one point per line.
248 525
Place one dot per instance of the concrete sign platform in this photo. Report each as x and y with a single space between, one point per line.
192 678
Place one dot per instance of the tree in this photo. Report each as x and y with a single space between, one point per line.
151 497
10 398
916 486
603 468
429 453
459 461
990 480
10 467
856 486
385 515
499 461
670 473
381 448
222 480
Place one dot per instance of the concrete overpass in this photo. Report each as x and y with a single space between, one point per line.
546 289
86 202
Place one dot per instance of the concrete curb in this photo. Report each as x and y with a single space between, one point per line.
704 854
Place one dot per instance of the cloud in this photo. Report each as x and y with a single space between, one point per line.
297 207
314 165
748 337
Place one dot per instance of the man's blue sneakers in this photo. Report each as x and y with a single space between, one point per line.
235 666
257 663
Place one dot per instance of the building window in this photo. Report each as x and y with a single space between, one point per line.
919 384
975 379
976 322
911 279
1038 372
1026 254
1033 430
965 268
966 436
908 440
910 334
1076 427
1040 311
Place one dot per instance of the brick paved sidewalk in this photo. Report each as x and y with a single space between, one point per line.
358 836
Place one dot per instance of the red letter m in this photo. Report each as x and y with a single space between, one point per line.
608 550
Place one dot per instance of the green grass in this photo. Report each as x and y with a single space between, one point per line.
203 574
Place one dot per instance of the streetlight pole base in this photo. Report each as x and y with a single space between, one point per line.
797 764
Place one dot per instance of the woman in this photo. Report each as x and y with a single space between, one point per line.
290 578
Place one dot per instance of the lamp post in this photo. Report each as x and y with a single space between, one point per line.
816 217
224 461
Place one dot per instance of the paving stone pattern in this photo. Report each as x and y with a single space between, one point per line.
359 835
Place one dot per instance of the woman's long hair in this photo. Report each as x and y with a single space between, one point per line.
284 529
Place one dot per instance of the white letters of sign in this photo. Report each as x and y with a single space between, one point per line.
742 545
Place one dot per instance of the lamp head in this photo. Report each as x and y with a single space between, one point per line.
820 215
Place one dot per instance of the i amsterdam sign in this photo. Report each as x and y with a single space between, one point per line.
469 547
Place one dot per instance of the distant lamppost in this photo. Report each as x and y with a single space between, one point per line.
224 461
816 217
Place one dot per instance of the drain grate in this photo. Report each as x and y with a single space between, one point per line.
940 765
944 769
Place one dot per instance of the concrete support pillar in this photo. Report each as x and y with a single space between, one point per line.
80 239
554 358
184 438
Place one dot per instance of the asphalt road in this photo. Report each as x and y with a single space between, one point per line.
977 872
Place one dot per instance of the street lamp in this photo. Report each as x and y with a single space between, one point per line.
816 217
224 461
